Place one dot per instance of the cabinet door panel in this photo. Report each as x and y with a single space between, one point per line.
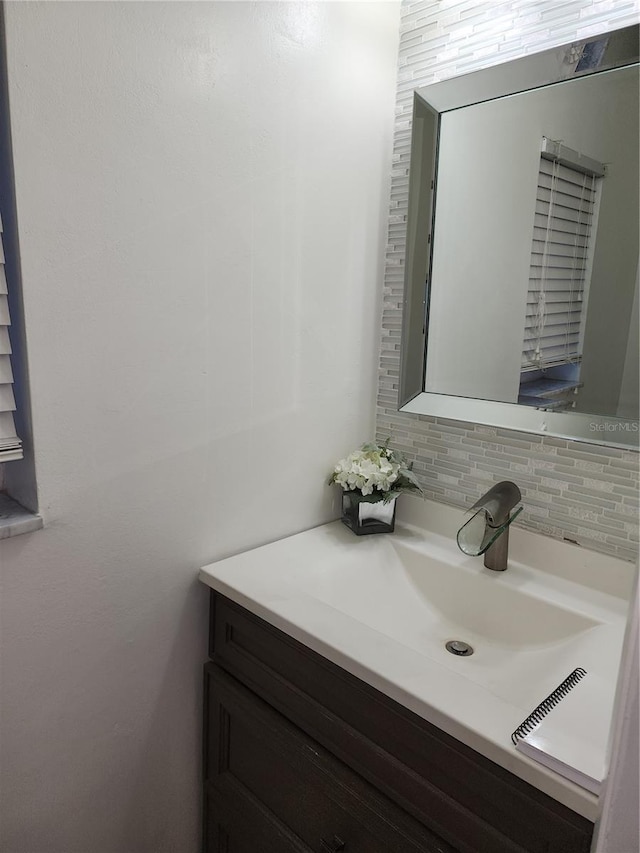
259 754
238 823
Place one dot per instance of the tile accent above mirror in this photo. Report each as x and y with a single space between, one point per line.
571 490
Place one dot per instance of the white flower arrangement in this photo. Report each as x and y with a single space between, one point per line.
376 471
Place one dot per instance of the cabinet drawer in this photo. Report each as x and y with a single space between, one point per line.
254 755
236 822
462 797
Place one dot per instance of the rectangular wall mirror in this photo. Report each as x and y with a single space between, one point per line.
521 283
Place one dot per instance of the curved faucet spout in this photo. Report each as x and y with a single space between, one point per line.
487 530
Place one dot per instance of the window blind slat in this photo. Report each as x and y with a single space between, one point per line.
557 262
6 374
565 207
545 182
554 308
4 311
567 196
555 355
5 343
570 322
570 341
558 250
564 323
561 240
554 335
541 263
564 173
7 401
557 286
561 226
8 447
550 298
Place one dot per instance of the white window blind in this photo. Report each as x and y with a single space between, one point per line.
561 255
10 444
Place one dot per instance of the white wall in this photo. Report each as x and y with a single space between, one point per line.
201 191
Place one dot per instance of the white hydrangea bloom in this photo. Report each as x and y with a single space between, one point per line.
376 472
366 471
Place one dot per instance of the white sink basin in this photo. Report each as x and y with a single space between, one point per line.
527 632
383 608
401 588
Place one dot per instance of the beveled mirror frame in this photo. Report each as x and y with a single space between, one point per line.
531 72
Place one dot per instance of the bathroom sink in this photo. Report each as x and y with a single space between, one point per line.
424 598
384 608
407 592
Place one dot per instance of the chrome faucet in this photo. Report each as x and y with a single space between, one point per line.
487 531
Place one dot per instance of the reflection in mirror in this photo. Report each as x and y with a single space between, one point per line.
523 222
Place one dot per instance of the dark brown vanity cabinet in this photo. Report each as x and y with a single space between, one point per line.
301 756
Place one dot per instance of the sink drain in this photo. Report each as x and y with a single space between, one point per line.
459 647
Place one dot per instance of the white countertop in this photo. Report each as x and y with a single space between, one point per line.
355 601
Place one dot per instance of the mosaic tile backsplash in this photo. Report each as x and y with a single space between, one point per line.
571 490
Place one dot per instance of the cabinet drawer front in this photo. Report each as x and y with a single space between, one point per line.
467 800
260 754
238 823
